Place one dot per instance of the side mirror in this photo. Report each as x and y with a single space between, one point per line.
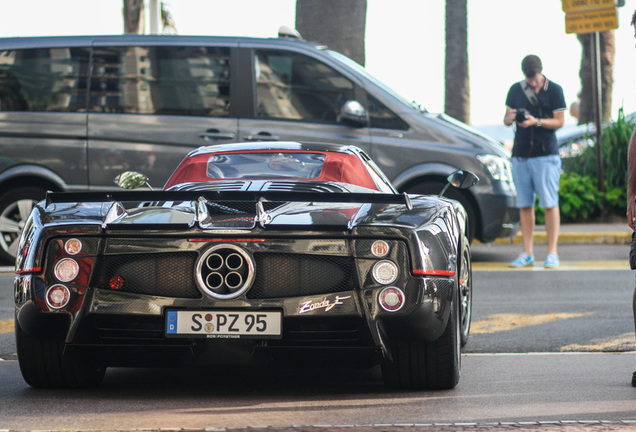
460 180
353 113
132 180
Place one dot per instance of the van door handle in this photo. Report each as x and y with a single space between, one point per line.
213 135
262 136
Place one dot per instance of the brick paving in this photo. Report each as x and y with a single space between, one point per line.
547 426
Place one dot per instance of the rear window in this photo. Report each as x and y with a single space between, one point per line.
266 165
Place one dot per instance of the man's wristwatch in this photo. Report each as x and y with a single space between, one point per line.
538 122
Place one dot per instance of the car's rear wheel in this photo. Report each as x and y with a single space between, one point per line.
435 187
465 292
435 365
43 363
15 208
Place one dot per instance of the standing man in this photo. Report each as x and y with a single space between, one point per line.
536 106
631 194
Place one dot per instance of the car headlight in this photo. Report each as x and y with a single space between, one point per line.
498 167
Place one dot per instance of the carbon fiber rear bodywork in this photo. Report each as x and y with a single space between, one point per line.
346 283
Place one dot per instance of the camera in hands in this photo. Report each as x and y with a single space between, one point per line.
522 114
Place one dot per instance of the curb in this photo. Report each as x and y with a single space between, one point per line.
610 237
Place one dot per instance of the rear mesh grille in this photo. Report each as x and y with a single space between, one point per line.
290 275
122 329
277 275
163 274
323 331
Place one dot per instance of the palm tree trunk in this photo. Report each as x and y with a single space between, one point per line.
607 50
457 81
134 16
338 24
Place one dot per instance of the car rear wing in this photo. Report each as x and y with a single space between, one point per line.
254 196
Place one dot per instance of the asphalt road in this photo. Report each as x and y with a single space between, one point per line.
553 346
493 388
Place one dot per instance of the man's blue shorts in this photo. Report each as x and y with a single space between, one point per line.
537 175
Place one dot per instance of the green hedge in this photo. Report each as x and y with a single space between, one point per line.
579 197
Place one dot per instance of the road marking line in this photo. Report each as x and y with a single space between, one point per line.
509 321
565 265
6 326
624 342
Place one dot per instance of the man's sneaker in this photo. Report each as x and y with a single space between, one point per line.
523 260
552 261
634 380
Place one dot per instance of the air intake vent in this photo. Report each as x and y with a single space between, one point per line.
301 187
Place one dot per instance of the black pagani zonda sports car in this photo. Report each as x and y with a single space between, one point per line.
275 252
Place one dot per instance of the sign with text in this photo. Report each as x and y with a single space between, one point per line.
592 21
585 5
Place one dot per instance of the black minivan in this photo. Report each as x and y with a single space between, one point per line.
77 111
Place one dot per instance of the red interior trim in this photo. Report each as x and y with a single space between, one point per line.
338 167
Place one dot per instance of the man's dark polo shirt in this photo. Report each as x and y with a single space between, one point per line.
535 141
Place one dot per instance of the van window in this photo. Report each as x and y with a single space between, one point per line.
383 118
296 87
43 79
174 80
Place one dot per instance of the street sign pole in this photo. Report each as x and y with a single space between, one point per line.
597 100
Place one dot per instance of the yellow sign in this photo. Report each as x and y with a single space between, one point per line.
590 22
585 5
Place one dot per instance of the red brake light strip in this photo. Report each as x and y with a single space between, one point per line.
422 272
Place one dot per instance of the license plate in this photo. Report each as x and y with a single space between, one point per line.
225 324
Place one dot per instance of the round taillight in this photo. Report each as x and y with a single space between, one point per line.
66 270
58 296
384 272
73 246
380 248
391 299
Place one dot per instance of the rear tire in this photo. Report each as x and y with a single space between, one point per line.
465 283
15 208
435 365
44 364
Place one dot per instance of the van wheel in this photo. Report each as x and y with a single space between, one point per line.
435 187
15 208
44 364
